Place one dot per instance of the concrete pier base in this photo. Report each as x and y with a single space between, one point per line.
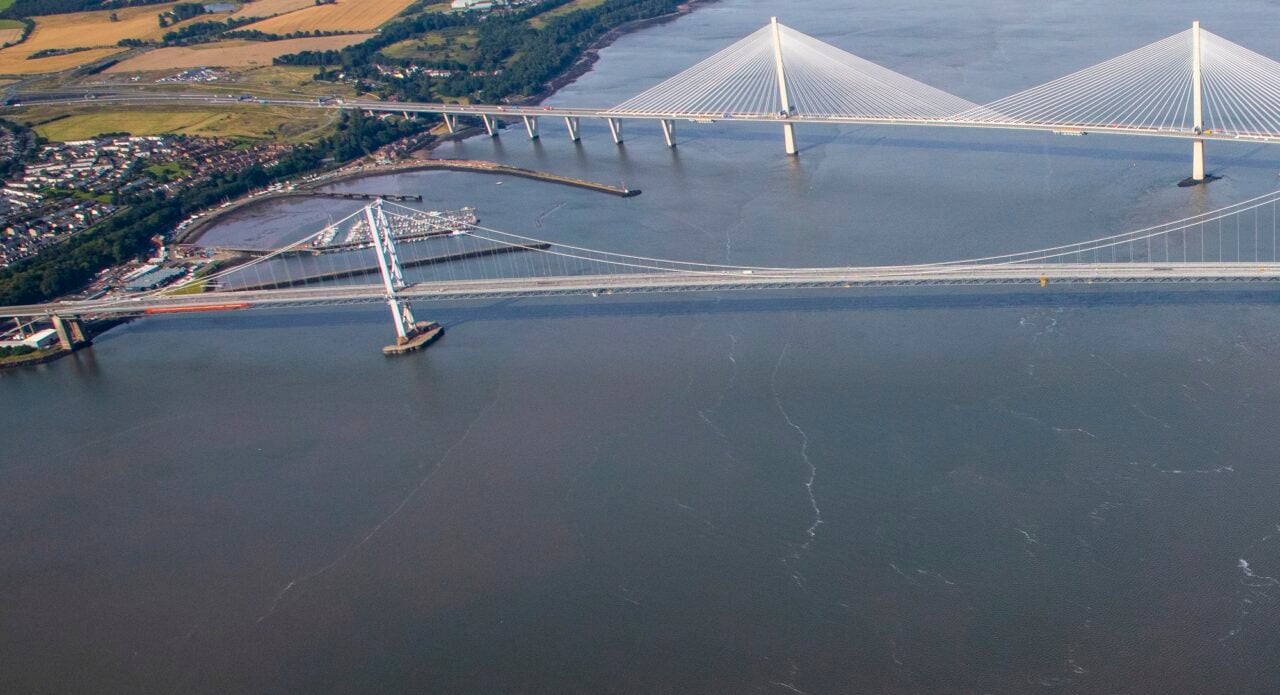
615 129
70 333
423 334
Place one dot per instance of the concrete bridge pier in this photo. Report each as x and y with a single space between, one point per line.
70 333
531 126
572 124
669 132
450 122
615 129
490 125
789 137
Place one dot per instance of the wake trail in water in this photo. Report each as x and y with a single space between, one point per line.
812 532
705 414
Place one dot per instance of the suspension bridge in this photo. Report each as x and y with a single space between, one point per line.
1193 85
406 256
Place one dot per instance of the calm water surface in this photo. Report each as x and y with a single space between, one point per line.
803 492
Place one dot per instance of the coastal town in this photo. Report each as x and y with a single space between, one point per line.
67 187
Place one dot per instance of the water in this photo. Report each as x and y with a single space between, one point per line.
910 491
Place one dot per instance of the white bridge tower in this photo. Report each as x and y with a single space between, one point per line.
1197 114
788 129
410 334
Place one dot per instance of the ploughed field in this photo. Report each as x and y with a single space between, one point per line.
344 15
271 8
230 54
86 37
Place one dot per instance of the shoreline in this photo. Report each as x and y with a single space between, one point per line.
192 234
591 53
577 69
92 329
482 166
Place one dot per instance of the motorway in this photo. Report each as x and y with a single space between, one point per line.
499 112
661 282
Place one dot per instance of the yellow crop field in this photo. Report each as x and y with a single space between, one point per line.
344 15
230 54
93 30
271 8
19 65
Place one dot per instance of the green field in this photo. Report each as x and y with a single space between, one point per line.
456 43
170 169
541 20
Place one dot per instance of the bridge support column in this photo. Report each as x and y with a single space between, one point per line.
531 126
406 115
572 124
669 132
70 334
490 125
615 129
450 122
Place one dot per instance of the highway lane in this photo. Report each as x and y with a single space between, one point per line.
683 281
519 112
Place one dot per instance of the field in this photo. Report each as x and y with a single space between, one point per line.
541 20
270 8
246 122
230 54
10 35
345 15
92 30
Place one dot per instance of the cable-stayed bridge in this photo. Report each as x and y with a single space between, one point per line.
1194 85
405 255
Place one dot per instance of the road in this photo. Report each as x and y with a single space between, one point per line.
519 112
636 283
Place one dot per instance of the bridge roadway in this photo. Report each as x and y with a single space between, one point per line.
499 112
683 281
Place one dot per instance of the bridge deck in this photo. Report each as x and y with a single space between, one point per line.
884 276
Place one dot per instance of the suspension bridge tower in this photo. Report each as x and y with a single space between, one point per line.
411 334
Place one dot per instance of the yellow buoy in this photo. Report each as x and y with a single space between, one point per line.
1044 280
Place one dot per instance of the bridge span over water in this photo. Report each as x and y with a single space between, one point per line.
1236 244
1193 85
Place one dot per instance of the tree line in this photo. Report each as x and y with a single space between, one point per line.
493 75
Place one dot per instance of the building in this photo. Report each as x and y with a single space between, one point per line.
38 340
